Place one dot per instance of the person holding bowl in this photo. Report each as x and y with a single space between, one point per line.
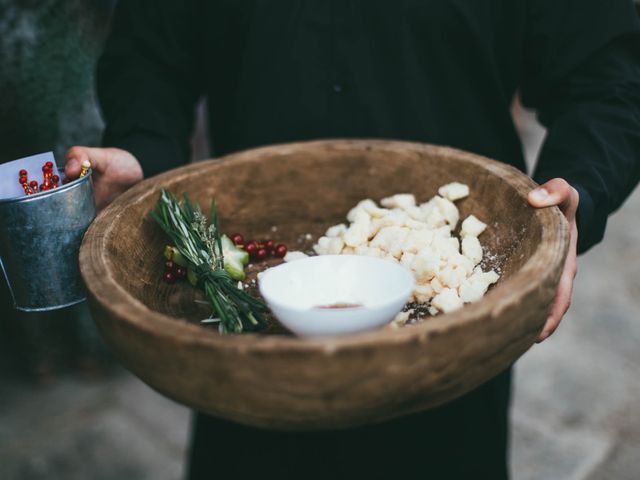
435 71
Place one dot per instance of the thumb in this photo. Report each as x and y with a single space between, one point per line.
75 156
554 192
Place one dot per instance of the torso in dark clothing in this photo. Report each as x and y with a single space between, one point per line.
289 70
438 71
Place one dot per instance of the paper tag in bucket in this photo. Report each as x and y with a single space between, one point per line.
10 173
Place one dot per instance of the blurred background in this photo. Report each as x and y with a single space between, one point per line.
68 411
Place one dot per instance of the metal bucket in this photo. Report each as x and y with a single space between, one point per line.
40 238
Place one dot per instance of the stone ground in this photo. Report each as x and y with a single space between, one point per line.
576 413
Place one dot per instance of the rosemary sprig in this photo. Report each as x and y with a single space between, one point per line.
201 246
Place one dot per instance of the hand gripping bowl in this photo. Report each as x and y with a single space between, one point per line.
286 382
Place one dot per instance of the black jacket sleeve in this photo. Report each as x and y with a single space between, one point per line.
148 83
582 74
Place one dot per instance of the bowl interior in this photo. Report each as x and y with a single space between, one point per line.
331 280
302 189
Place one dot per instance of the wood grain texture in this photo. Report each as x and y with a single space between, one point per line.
284 382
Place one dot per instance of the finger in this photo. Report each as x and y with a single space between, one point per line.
555 192
98 157
561 304
562 300
73 161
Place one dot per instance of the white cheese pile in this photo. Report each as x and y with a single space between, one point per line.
420 237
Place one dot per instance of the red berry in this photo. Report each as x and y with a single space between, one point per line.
237 238
261 254
33 184
55 179
23 173
49 165
280 251
24 179
268 244
168 277
44 187
180 272
169 265
251 248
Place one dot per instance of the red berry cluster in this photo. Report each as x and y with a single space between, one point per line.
173 272
50 180
259 250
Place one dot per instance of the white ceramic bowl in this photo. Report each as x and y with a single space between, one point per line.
295 290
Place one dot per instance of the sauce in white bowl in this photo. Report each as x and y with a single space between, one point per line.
336 294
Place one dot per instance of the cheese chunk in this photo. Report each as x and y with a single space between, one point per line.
447 300
391 240
447 247
358 232
425 264
437 212
416 213
329 246
449 211
293 256
474 288
417 240
460 261
472 249
454 191
401 319
394 218
403 201
452 277
472 227
436 285
360 208
407 259
423 293
336 230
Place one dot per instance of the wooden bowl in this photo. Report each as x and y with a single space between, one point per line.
284 382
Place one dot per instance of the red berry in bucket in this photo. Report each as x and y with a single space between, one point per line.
49 165
280 251
23 179
22 173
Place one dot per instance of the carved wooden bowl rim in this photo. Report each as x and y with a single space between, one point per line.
94 262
